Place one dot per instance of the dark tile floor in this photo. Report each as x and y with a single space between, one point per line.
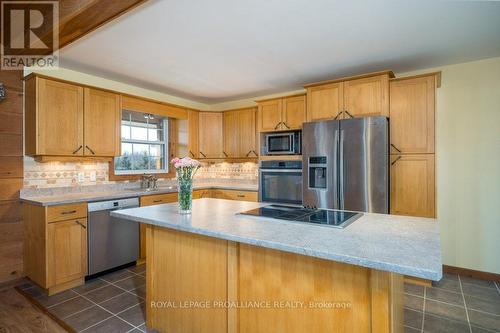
455 304
115 303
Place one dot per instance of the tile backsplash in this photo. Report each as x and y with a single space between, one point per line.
63 174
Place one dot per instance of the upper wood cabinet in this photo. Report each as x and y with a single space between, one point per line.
412 114
102 117
325 101
367 97
54 118
193 127
287 113
210 140
240 133
357 96
65 119
412 185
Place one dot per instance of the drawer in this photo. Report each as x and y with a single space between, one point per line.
66 212
198 194
235 195
157 199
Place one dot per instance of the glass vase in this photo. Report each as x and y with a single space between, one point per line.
185 193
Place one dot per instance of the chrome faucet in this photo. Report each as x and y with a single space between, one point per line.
149 182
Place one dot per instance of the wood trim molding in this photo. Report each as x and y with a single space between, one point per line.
436 74
471 273
280 97
349 78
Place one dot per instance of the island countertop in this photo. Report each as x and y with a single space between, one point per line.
399 244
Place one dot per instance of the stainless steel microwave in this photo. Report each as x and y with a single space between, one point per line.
283 143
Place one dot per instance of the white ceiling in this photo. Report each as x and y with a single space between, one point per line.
213 51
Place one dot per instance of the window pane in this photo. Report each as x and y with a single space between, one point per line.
141 157
157 163
126 149
155 135
126 116
156 150
155 122
139 133
139 118
125 131
123 163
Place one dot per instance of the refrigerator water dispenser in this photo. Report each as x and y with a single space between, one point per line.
317 172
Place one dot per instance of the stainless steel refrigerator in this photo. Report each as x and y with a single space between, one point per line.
345 164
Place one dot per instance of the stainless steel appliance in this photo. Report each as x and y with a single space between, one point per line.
324 217
112 242
346 164
280 182
282 143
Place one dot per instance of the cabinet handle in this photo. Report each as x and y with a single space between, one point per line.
76 151
338 114
203 154
190 152
277 125
225 153
253 151
240 195
249 152
393 146
9 173
90 149
397 159
156 201
286 125
68 212
350 115
80 224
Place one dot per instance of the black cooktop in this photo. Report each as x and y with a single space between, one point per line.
326 217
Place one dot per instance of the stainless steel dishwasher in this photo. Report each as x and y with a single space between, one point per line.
112 242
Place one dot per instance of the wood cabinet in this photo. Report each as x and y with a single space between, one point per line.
66 251
102 122
55 247
357 96
287 113
325 101
235 195
193 128
240 133
65 119
412 114
210 139
412 185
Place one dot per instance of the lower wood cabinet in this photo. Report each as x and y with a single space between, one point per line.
412 182
235 195
55 250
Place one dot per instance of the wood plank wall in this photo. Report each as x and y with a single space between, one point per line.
11 176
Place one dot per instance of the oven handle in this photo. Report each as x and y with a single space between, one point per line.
281 170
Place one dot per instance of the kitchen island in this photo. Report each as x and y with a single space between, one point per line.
217 271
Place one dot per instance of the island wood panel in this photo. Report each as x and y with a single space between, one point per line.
35 249
325 102
11 176
101 123
196 267
413 185
202 268
412 114
367 96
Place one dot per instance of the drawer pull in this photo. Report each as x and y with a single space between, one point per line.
155 201
240 195
68 212
81 224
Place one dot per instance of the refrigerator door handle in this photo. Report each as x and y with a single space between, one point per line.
341 170
336 169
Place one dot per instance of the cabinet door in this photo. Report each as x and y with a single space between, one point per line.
60 118
247 133
210 135
66 251
101 123
294 111
412 185
367 97
325 101
232 135
270 115
412 113
193 133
